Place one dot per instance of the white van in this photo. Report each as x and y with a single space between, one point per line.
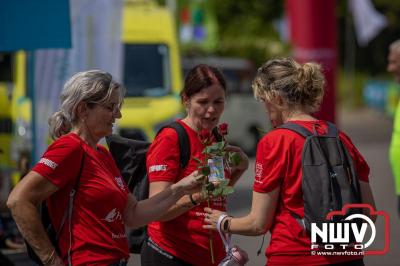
246 117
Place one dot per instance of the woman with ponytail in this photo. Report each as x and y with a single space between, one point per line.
291 92
75 164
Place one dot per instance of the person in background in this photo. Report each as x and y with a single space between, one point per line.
177 237
102 206
291 92
393 67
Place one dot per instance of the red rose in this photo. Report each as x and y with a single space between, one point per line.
223 129
205 136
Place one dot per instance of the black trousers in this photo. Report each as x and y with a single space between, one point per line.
150 256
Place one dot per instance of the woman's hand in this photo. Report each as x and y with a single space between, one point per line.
190 184
244 160
200 196
211 218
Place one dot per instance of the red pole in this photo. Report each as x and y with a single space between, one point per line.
312 29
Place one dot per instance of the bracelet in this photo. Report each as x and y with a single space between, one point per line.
226 224
51 258
192 200
221 219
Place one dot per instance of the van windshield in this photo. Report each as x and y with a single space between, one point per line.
146 70
6 67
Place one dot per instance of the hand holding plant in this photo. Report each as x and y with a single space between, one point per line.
217 157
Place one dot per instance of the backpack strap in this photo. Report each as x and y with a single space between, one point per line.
296 128
183 139
68 212
332 129
184 144
72 194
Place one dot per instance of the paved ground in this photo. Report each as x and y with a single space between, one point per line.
370 131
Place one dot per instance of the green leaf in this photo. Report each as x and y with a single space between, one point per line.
220 145
213 149
234 158
224 182
228 190
205 170
217 191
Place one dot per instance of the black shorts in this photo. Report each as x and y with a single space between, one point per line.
153 255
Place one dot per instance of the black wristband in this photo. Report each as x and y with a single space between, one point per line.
192 200
226 224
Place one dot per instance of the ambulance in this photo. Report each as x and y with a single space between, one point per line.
151 70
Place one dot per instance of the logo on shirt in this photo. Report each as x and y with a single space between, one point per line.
117 236
158 168
113 216
120 182
259 172
49 163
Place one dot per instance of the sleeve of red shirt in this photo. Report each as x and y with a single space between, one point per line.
360 164
61 161
163 157
269 166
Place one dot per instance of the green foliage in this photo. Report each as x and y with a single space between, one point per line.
234 158
204 170
218 189
242 29
216 149
246 29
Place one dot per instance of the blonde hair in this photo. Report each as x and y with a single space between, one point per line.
301 86
93 86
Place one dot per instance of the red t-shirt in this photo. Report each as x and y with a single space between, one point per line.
278 163
183 236
98 230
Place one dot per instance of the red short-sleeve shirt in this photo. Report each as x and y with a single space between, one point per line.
183 236
278 163
98 231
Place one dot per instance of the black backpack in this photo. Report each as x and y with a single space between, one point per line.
329 179
52 232
130 157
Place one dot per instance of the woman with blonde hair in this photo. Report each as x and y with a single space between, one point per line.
291 92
